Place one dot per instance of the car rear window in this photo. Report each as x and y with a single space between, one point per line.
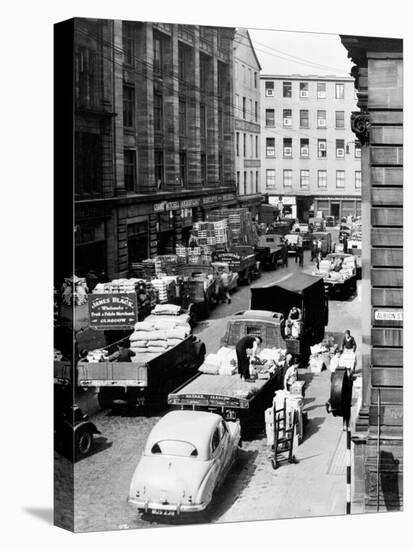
173 447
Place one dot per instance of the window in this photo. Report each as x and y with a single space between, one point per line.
157 55
244 107
182 62
245 183
129 160
269 88
220 123
250 78
244 149
304 147
270 147
287 178
256 112
256 181
303 89
128 44
88 163
251 145
182 117
339 119
221 168
238 188
252 181
129 106
357 149
339 179
255 79
270 118
256 146
287 89
86 78
215 440
287 147
157 113
244 74
202 115
304 118
321 119
322 179
322 148
340 148
321 90
236 67
287 117
237 144
339 91
159 172
304 179
270 179
183 167
251 111
204 169
357 179
203 69
236 104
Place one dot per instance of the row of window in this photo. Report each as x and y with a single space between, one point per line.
246 75
287 181
304 144
248 109
243 185
287 118
304 89
247 149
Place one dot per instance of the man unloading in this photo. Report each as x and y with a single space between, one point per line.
244 344
349 342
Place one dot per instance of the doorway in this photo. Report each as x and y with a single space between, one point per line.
335 210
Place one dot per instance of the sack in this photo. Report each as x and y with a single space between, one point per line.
139 335
144 326
166 309
158 343
139 344
172 342
178 332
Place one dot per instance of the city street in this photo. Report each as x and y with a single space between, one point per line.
253 490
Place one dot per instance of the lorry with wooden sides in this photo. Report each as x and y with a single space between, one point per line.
142 381
302 291
268 250
241 259
229 395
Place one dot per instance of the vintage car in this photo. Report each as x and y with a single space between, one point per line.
186 458
292 240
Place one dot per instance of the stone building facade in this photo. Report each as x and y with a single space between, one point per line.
247 122
377 483
154 137
310 157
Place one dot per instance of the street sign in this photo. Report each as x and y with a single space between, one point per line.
112 311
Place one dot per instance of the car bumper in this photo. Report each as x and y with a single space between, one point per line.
165 509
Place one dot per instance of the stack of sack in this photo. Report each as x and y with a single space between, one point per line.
223 362
293 403
321 355
347 360
153 337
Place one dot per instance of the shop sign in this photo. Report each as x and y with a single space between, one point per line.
112 311
228 197
190 203
159 206
210 200
338 198
288 200
174 205
388 315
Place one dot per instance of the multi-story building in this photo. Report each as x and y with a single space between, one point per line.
310 158
247 121
154 136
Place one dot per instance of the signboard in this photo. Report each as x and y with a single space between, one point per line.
112 311
209 200
190 203
381 315
159 206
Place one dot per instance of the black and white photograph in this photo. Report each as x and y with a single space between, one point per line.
226 274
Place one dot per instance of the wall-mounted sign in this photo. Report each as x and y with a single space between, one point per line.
173 205
210 200
190 203
228 197
112 311
381 315
159 206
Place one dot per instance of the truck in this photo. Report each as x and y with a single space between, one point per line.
302 291
268 250
228 395
341 283
241 259
145 381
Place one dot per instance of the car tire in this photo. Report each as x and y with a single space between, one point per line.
83 442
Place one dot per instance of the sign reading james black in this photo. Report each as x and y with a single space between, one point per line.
112 311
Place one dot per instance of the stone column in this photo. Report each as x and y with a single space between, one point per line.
171 109
193 121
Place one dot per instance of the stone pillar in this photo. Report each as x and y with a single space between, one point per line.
211 102
118 103
193 121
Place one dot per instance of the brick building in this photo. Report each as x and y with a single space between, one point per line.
247 121
310 157
154 136
377 483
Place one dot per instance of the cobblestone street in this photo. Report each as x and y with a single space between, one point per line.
253 490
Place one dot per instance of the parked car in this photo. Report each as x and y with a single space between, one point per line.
74 433
186 457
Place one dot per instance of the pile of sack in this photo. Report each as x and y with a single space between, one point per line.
223 362
321 355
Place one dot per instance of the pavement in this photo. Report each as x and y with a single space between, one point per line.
253 490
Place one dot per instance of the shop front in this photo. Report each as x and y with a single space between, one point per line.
339 207
252 203
138 241
90 246
287 205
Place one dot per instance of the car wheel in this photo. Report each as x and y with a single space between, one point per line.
83 442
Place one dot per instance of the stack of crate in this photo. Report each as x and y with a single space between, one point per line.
168 264
144 269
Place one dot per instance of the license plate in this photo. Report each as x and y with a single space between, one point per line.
158 512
